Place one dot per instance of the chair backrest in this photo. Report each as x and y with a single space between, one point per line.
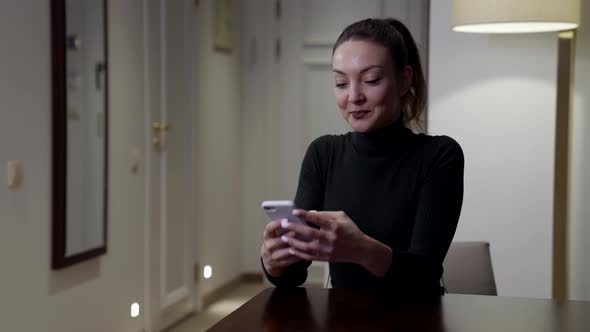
468 269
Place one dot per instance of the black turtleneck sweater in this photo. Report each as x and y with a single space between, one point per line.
402 189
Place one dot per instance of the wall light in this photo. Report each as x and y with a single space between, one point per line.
135 310
207 271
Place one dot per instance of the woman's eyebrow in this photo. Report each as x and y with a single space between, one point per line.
362 71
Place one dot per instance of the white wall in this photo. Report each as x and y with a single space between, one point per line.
579 235
496 96
257 77
96 295
217 137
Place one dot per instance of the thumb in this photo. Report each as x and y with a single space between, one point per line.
322 219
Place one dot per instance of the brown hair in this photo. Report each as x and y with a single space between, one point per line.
395 36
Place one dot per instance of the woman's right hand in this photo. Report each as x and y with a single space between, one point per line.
274 252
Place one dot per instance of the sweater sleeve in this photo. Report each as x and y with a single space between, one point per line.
309 196
438 209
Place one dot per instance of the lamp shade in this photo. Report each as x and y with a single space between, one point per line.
515 16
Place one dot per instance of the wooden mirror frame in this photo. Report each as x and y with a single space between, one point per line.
59 141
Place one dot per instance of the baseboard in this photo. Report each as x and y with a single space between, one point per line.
221 291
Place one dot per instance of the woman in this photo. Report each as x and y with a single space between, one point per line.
382 201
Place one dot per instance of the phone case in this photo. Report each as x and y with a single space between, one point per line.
277 210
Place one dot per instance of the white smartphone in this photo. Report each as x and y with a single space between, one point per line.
277 210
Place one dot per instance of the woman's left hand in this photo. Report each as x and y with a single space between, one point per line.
338 239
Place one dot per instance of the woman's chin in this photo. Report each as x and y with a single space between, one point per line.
361 126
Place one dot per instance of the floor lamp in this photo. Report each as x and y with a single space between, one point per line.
527 16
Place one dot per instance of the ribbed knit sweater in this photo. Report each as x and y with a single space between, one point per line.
400 188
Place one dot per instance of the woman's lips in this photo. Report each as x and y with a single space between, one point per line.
359 114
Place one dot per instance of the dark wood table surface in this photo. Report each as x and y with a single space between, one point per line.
316 309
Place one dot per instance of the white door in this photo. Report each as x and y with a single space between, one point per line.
170 197
307 107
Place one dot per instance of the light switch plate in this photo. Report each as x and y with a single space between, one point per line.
14 173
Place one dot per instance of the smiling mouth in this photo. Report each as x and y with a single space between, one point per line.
359 114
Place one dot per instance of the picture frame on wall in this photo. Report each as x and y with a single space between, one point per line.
223 25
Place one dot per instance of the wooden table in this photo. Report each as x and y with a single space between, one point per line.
316 309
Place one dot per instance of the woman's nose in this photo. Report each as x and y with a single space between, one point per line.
355 94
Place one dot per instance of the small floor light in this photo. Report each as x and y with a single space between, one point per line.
207 271
135 310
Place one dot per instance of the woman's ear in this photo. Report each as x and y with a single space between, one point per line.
406 78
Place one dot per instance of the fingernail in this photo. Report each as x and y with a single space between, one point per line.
292 252
285 223
284 238
296 212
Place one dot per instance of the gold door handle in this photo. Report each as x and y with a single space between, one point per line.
158 127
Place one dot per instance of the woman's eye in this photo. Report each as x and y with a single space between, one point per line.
340 85
375 81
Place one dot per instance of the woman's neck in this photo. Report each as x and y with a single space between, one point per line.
383 140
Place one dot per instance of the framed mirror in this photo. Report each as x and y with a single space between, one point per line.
80 130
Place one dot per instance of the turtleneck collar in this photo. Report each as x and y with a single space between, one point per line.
382 141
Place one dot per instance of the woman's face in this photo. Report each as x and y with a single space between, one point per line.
366 85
